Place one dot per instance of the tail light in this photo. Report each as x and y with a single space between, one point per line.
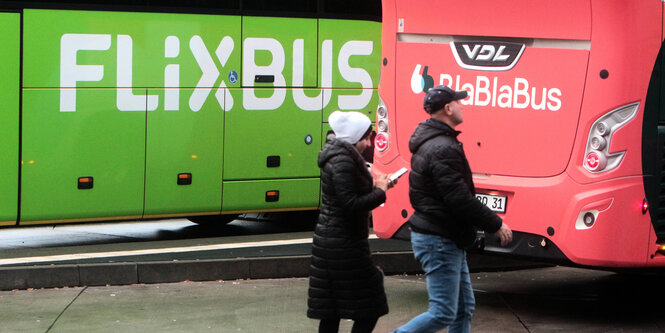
660 249
382 126
597 157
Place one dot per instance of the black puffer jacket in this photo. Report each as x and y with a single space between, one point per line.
344 283
441 187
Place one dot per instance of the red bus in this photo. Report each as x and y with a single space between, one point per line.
564 126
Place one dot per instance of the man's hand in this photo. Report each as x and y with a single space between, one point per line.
505 234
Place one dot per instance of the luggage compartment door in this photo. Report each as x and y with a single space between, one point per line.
84 118
268 134
9 112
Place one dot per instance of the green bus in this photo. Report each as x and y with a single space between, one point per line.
180 109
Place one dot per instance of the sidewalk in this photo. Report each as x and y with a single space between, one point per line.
272 305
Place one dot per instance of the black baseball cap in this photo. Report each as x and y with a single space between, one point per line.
437 97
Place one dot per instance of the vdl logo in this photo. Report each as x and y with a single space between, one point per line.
487 56
484 56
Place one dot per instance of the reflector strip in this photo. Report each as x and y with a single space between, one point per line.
272 196
85 183
184 179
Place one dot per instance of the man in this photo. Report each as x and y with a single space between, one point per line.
446 214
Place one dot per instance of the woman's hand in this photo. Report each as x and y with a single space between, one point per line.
391 183
382 181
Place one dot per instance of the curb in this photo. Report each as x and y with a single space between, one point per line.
74 275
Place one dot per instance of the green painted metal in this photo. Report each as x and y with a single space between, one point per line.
325 128
253 136
184 142
95 141
134 99
189 138
248 196
274 126
285 31
341 32
170 139
43 37
368 108
9 113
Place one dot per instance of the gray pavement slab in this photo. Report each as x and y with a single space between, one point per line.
553 299
275 305
34 310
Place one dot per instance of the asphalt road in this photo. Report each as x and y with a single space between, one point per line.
280 235
16 238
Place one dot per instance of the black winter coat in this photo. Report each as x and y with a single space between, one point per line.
441 187
344 282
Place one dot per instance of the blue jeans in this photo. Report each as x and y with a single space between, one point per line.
451 300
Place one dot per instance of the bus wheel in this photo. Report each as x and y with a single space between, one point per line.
213 220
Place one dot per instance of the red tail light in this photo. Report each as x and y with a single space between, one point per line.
381 141
594 161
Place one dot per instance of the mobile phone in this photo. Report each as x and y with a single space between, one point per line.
398 174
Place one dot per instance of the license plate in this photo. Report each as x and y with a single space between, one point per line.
497 203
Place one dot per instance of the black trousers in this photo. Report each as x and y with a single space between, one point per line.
359 326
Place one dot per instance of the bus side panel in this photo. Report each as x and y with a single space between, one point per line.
267 133
356 55
184 134
96 141
9 112
261 146
268 144
181 143
252 195
653 154
285 48
143 44
367 106
88 128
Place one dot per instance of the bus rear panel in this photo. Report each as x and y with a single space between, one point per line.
554 126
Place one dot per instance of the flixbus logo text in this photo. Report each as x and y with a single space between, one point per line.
71 73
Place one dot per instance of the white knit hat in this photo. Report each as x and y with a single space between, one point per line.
349 126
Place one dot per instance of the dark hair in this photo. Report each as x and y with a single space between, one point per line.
367 134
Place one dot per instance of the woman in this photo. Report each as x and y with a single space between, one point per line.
344 283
